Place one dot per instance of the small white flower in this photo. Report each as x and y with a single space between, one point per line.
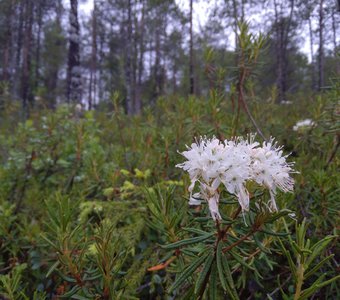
286 102
232 163
237 170
195 199
292 216
303 124
270 169
204 164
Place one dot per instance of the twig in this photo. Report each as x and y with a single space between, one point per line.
234 216
120 129
280 287
244 73
28 170
241 99
226 249
335 149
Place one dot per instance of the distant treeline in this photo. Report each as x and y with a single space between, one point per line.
148 48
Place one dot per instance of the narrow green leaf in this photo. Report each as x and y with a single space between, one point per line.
219 253
78 297
205 271
202 219
66 278
187 272
49 241
230 280
282 213
259 244
274 233
325 239
195 230
187 242
240 260
318 248
306 251
167 256
71 292
322 284
190 252
213 283
290 260
224 201
188 294
301 233
318 266
297 249
283 294
52 268
227 222
310 291
87 292
94 277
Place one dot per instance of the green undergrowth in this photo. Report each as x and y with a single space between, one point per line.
78 215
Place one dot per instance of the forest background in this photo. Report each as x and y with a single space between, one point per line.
95 105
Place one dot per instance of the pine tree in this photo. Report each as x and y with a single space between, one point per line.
74 83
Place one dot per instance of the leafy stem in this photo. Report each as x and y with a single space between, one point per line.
300 277
226 249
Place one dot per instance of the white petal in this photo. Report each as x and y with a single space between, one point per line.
192 185
272 202
216 183
213 207
243 197
194 201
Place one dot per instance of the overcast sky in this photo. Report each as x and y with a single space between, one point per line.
201 9
201 13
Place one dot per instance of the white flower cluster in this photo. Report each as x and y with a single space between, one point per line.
211 163
303 124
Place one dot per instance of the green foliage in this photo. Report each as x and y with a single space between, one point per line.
305 253
91 205
11 284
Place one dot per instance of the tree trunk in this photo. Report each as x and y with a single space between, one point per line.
157 64
73 66
334 29
138 104
282 31
93 70
279 71
242 10
18 54
285 33
191 62
174 80
8 45
52 79
235 16
26 57
128 62
321 50
37 54
334 32
134 56
101 55
311 39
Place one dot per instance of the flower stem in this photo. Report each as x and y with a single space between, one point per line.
234 216
226 249
300 276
